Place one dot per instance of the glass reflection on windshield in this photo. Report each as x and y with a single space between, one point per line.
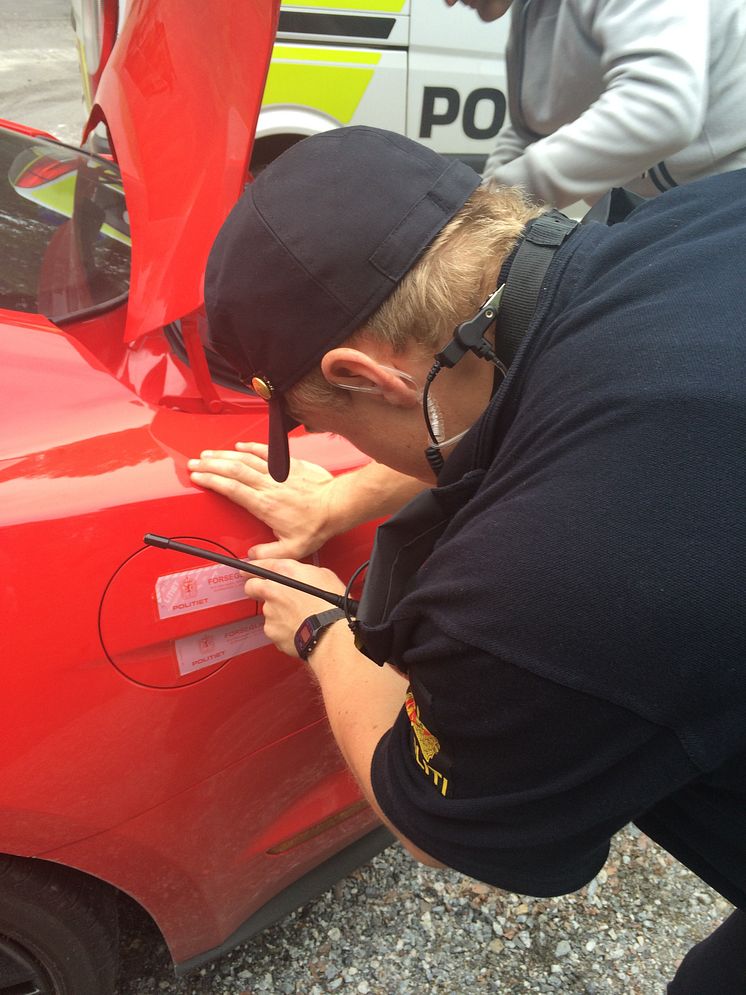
64 231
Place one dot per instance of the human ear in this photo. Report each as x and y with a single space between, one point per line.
354 370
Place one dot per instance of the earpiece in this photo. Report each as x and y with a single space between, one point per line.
377 390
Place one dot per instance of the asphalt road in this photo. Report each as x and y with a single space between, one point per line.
39 77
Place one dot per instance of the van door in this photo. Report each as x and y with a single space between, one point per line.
343 64
457 100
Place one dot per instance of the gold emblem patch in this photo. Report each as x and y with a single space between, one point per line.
425 745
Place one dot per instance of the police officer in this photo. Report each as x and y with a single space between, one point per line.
645 94
559 620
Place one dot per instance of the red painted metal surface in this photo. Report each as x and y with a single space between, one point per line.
182 164
112 759
149 735
25 129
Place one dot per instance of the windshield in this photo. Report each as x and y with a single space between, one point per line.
64 231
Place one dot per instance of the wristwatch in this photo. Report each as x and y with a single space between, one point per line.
310 630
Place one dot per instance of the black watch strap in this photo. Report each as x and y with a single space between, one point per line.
310 630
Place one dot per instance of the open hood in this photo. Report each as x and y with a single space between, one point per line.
180 96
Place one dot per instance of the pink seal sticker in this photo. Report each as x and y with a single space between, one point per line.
214 646
197 589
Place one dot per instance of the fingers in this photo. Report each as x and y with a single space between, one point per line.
271 550
284 608
253 461
296 511
256 449
317 576
285 602
234 475
227 487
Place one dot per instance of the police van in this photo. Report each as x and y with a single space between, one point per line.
433 73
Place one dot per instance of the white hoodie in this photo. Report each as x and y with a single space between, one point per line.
645 94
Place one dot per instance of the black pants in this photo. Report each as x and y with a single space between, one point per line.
717 965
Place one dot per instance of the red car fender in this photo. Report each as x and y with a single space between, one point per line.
183 166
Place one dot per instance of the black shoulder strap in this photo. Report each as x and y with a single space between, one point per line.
541 239
616 205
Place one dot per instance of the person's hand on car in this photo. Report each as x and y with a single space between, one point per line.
297 511
285 608
311 506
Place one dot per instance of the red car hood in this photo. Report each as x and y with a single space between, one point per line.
180 96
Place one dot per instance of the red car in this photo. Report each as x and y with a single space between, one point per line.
152 741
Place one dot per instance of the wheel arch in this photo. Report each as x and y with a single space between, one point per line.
282 125
78 876
59 928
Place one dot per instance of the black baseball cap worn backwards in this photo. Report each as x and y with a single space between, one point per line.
318 241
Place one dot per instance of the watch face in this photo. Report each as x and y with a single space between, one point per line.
309 631
305 637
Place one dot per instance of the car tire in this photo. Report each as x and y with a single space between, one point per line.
58 931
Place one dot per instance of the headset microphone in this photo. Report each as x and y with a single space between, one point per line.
468 337
516 299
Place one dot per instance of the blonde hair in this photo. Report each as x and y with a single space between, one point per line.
445 287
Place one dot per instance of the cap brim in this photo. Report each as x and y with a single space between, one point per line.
280 423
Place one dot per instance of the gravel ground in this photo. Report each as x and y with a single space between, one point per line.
396 928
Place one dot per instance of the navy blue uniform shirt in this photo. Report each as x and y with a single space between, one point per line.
576 640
